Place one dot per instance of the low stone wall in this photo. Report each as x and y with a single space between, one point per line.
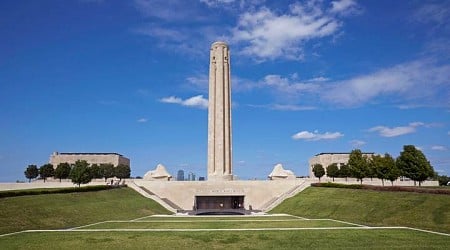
41 184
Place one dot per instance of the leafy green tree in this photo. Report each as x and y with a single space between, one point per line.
107 171
318 171
413 164
333 170
62 171
393 172
31 172
80 173
96 171
358 165
443 180
344 171
46 171
371 169
122 171
377 162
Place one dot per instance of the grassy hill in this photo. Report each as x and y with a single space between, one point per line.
374 208
56 211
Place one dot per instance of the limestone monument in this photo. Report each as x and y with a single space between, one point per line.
158 174
279 173
219 114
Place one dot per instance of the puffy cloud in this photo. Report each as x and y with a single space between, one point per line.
268 34
439 148
283 107
345 7
287 85
168 10
357 143
142 120
396 131
196 101
213 3
404 81
315 136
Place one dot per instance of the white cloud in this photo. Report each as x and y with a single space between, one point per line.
286 85
404 81
162 33
213 3
357 143
438 13
439 148
345 7
283 107
168 10
396 131
142 120
315 136
267 34
196 101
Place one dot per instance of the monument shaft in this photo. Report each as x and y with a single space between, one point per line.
219 114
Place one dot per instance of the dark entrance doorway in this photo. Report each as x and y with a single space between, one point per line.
219 204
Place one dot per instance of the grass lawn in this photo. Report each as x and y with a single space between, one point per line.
56 211
375 208
310 239
218 224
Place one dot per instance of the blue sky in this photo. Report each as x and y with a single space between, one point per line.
308 77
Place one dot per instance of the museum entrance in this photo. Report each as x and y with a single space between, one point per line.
232 204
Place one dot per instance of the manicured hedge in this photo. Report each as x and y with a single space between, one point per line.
385 188
14 193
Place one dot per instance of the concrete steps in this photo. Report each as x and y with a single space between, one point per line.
148 194
288 194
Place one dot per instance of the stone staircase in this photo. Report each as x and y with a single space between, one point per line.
291 192
167 204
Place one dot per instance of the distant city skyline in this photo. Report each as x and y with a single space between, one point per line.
131 77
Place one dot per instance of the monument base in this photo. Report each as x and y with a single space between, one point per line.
227 177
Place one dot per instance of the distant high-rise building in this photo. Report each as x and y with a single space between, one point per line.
191 176
180 175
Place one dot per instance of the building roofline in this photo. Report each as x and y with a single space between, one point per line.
342 153
83 153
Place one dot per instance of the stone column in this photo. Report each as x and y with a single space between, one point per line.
219 114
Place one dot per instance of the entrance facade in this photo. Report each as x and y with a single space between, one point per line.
226 202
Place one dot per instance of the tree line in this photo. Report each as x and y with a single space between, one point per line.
80 172
411 163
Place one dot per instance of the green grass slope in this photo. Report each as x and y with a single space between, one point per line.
56 211
374 208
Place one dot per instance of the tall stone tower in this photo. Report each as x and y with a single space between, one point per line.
219 114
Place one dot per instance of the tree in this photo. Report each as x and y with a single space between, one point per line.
31 172
46 171
443 180
371 169
107 170
122 171
318 171
62 171
344 171
377 162
393 172
96 171
333 170
413 164
358 165
80 173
